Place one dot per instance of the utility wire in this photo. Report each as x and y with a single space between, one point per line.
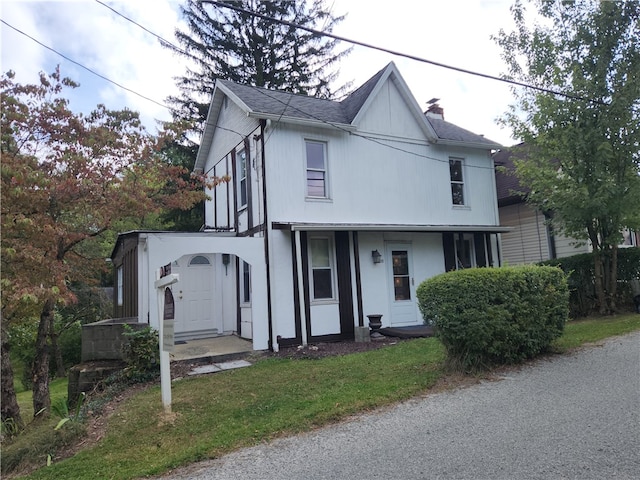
82 66
398 54
172 110
365 137
262 91
143 28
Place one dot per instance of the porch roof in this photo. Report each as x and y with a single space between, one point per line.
395 227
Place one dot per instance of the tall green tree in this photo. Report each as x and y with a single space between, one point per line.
236 46
66 179
584 158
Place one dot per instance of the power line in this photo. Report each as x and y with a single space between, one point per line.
171 109
398 54
369 138
86 68
365 137
142 27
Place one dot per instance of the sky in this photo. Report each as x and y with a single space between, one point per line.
452 32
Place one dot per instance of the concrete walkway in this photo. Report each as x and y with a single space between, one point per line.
215 349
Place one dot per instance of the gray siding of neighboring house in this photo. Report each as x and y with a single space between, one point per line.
565 247
528 241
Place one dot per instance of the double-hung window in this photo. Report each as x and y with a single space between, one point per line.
457 180
316 153
322 268
241 167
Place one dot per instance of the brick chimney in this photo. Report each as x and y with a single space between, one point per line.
435 111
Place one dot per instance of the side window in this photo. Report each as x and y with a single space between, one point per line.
245 283
241 172
120 293
316 166
322 268
457 181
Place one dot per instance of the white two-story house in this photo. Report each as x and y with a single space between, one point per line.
335 210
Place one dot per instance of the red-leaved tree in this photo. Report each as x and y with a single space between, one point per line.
66 178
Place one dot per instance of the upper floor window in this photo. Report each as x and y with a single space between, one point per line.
457 180
322 262
241 167
316 169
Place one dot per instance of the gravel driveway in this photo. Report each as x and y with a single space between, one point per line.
571 416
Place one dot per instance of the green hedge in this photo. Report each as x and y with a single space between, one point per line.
579 269
493 316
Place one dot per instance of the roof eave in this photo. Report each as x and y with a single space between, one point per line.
304 226
461 143
302 121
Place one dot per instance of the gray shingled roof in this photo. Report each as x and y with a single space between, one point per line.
286 104
449 131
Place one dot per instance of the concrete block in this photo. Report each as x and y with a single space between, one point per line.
362 334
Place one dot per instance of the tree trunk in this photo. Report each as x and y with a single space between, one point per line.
55 349
613 280
599 282
41 398
9 408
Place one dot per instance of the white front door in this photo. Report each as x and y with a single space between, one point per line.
402 292
195 297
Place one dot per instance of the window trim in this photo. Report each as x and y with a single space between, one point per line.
332 267
325 170
462 182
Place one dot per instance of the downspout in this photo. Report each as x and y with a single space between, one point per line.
271 325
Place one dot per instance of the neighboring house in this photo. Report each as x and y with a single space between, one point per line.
531 239
335 211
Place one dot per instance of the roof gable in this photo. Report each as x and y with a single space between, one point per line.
366 95
285 107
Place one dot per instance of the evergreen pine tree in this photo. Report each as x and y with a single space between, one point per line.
236 46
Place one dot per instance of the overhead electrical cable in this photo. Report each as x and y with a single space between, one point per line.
355 134
102 76
82 66
397 53
142 27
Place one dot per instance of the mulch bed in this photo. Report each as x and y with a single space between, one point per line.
329 349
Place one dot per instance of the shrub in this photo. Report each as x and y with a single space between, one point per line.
492 316
579 269
141 352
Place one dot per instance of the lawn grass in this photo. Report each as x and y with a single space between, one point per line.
593 329
215 414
